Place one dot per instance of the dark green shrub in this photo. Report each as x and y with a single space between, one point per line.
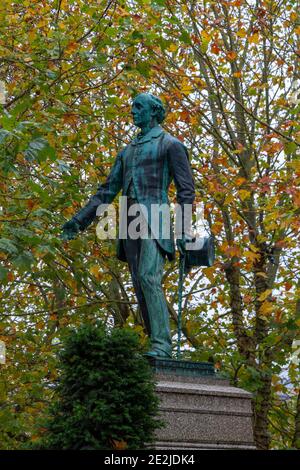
106 394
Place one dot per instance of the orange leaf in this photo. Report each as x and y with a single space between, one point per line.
231 55
240 180
215 48
237 74
71 47
31 203
233 250
119 445
70 118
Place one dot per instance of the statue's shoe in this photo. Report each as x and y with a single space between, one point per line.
157 354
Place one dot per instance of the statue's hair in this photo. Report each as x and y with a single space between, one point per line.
157 105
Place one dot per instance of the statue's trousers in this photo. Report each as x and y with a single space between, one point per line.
146 261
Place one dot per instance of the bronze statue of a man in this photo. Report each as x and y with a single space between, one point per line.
143 170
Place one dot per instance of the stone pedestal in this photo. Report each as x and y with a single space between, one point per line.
201 410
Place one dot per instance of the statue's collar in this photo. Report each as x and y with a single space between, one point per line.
153 133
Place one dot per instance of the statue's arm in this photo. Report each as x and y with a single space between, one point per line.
106 192
178 159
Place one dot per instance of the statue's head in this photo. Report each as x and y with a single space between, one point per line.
147 109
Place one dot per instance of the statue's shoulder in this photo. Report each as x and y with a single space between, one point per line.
123 150
171 140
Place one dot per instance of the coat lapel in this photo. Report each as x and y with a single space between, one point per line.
153 133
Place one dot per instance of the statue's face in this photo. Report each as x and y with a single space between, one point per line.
141 111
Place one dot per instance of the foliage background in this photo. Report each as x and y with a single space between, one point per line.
228 73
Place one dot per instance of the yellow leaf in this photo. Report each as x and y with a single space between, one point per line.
32 35
229 198
254 39
194 120
244 194
266 308
205 39
241 33
297 30
187 89
95 270
173 47
264 295
205 36
251 255
209 273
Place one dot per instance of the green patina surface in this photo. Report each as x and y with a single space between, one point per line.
146 167
183 368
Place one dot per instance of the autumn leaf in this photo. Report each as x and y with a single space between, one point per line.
243 194
119 445
242 33
264 295
254 38
95 270
266 308
215 48
231 55
250 255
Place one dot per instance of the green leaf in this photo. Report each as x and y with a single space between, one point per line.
8 246
24 260
144 68
3 273
4 134
39 149
290 148
136 35
185 37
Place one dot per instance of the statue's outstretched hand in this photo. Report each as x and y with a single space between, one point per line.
70 230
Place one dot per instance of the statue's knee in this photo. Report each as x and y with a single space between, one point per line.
147 280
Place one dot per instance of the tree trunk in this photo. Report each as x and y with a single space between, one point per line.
296 438
262 405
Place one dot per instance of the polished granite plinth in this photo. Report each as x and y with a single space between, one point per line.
200 409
